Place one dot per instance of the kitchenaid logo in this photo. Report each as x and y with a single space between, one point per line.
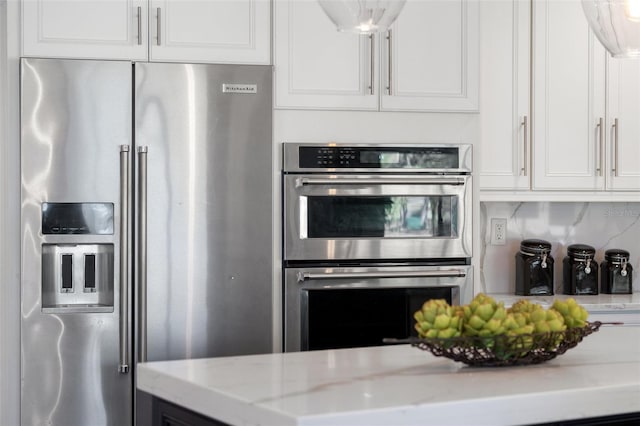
239 88
621 212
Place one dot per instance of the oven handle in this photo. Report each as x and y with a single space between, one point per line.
306 276
411 181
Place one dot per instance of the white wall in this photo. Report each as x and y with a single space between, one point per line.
9 216
3 144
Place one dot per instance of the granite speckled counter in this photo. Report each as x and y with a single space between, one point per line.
401 385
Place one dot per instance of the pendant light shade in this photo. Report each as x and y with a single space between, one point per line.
362 16
616 23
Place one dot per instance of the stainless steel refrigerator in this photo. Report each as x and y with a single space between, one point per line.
146 226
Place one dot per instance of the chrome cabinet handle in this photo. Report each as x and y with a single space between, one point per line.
139 25
600 127
616 127
124 260
525 124
389 58
158 25
371 61
414 181
142 253
307 276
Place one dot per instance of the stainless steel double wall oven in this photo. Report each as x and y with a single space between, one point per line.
370 233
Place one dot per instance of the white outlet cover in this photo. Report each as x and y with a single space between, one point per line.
498 231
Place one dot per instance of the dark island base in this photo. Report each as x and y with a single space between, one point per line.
629 419
152 411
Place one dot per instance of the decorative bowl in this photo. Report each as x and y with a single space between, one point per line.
503 350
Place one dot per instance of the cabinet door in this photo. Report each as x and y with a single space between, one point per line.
504 107
114 29
568 98
221 31
431 59
318 67
624 106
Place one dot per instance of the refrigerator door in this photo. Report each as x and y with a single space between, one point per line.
75 116
208 262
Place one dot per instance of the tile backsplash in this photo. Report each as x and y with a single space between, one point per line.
601 225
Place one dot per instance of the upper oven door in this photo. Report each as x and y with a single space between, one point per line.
334 217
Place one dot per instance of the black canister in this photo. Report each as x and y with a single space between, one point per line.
534 268
616 272
580 270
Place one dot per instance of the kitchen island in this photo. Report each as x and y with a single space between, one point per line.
402 385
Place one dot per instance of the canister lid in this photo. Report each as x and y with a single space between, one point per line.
581 251
535 246
616 255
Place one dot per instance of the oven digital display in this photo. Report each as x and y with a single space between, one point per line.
378 157
381 158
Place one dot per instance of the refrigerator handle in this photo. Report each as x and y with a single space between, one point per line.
142 253
124 259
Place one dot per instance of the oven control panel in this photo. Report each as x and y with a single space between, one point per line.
344 157
324 157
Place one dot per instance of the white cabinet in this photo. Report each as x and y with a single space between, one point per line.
220 31
569 99
430 57
569 140
114 29
427 62
505 118
623 125
317 66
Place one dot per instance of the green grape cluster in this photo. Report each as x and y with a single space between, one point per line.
485 317
574 315
437 319
542 320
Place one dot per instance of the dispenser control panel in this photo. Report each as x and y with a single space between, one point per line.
77 218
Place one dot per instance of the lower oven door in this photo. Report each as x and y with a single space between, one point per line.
330 308
334 217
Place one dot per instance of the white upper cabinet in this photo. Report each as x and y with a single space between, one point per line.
216 31
505 117
317 66
233 31
582 131
623 126
114 29
569 66
430 57
428 61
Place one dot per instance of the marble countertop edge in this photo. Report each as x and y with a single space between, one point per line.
209 402
537 407
398 385
491 411
599 303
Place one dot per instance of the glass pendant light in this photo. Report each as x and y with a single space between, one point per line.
362 16
616 23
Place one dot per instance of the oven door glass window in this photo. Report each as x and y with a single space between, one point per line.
348 318
382 216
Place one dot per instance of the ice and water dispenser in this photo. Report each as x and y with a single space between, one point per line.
77 257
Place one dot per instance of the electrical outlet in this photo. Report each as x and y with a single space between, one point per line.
498 231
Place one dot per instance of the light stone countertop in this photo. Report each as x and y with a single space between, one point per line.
595 304
402 385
